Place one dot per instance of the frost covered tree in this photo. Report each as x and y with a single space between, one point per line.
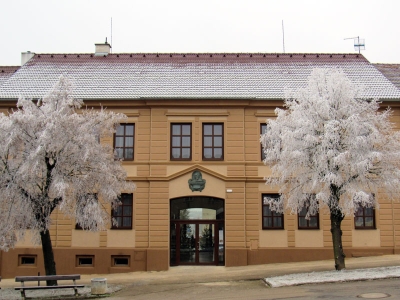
51 159
331 148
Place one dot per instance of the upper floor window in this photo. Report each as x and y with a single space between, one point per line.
181 141
124 212
270 218
312 222
365 218
213 141
263 128
124 141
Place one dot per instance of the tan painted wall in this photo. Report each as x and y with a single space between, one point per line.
273 238
309 238
366 238
27 241
84 238
158 179
121 238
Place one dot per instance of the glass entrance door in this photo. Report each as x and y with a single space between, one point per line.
196 243
187 243
197 231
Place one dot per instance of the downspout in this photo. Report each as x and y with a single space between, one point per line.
394 230
148 215
245 176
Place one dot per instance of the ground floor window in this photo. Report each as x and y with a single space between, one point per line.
365 218
270 218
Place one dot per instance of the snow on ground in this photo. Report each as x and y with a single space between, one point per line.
333 276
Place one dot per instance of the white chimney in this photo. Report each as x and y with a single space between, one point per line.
26 56
102 49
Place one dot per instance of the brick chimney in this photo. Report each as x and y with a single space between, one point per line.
102 49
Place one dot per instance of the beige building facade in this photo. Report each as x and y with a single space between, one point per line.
191 146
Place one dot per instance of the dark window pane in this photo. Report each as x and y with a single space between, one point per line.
176 141
129 153
277 222
207 141
360 211
119 142
266 211
185 141
217 152
208 152
369 222
369 211
217 141
208 129
120 130
313 222
119 152
186 129
359 222
267 222
176 152
302 222
176 129
127 222
129 142
185 153
127 210
129 130
217 129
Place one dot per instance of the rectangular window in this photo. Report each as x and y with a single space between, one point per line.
263 128
213 141
124 212
365 218
181 141
84 260
311 223
124 141
120 261
271 219
27 260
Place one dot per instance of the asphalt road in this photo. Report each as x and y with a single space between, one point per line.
256 290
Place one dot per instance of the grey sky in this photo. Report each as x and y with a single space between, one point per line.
314 26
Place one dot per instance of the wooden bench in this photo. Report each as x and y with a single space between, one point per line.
24 279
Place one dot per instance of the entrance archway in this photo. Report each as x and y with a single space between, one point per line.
197 231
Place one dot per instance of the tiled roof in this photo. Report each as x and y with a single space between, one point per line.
189 76
6 72
391 71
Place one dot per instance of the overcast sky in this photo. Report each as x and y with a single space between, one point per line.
310 26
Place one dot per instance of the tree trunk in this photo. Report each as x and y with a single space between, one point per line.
336 221
48 256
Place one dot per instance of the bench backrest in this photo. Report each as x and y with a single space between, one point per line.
50 277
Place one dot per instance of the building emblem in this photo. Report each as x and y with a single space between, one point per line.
197 183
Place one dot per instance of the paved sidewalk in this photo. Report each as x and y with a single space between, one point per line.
202 274
187 275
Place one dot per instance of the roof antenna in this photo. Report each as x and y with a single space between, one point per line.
283 37
359 44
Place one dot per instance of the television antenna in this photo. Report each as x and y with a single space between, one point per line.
359 44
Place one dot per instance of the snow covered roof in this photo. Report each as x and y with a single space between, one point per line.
391 72
6 72
189 76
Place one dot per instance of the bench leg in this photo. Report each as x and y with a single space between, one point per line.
76 291
22 294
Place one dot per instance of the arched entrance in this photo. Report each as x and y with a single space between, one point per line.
197 231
